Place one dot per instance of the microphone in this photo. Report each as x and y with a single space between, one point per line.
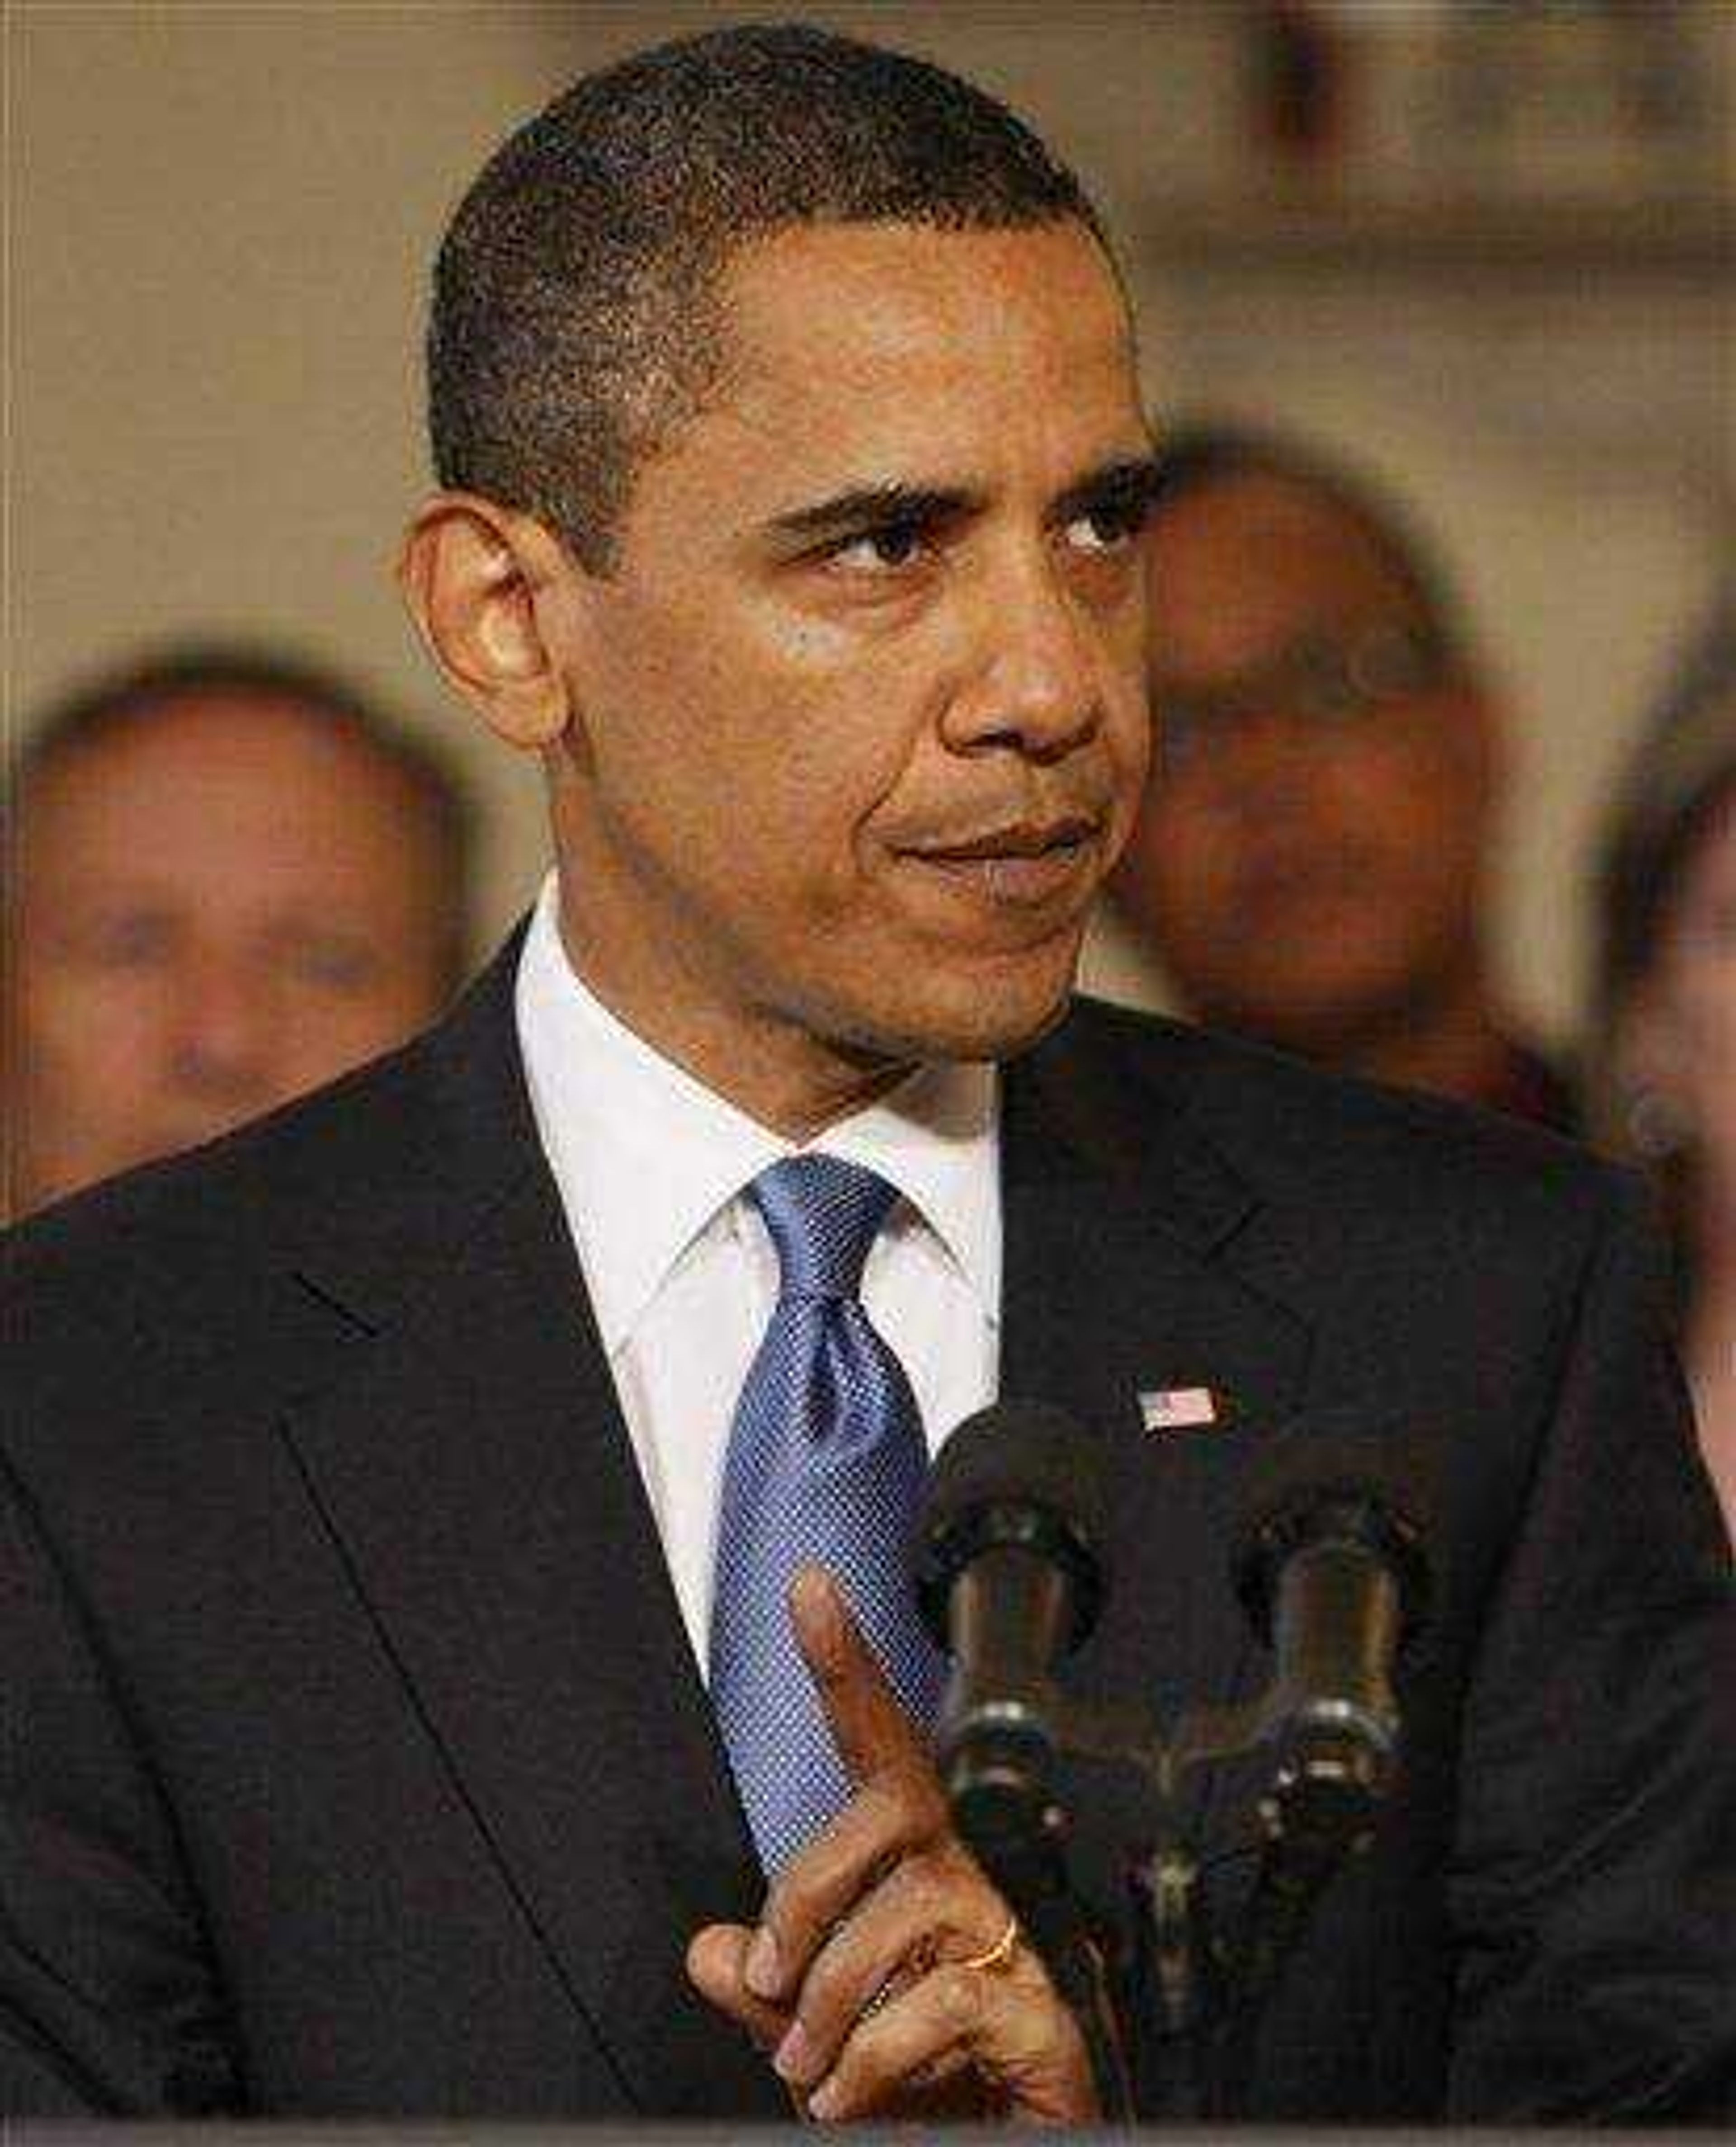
1009 1578
1331 1568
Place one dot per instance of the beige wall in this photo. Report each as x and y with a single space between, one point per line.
219 219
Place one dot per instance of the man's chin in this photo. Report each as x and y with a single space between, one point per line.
1001 1037
996 1020
1323 1015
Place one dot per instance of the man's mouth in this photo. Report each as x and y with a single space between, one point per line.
1022 863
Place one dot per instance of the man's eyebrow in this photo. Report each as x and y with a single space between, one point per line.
1127 483
869 507
1129 486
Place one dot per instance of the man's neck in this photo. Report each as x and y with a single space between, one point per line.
1462 1051
789 1082
1449 1038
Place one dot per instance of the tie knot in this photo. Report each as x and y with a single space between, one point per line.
823 1214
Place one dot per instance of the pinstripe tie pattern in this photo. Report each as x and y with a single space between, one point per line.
825 1466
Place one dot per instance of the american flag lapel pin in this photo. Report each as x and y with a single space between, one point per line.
1182 1408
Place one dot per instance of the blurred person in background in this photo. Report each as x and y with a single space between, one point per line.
1312 863
1666 1026
229 880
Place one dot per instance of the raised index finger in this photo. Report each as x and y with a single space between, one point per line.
874 1736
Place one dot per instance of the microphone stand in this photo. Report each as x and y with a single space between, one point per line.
1022 1845
1195 1995
1332 1574
1175 1976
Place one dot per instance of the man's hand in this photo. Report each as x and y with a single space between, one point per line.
858 1978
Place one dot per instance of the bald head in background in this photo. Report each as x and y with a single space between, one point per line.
228 883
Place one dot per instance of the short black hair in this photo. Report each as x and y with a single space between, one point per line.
573 322
133 692
1193 457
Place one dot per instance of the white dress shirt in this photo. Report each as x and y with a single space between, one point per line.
652 1167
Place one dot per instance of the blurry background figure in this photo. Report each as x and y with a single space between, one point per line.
1666 997
229 880
1311 867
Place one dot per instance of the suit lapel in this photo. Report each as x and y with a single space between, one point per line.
1133 1263
476 1475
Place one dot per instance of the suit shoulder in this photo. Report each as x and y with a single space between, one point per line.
1339 1144
193 1287
216 1202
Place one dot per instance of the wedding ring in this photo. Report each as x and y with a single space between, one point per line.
998 1958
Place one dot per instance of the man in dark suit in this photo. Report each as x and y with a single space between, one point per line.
395 1491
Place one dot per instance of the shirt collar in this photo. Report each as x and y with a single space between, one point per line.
644 1156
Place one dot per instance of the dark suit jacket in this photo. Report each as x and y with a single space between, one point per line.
353 1759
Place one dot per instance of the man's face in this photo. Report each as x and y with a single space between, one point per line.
1308 858
860 715
217 907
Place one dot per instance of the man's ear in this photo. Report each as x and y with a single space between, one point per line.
479 579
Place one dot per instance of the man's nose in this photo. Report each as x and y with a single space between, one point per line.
225 1029
1036 685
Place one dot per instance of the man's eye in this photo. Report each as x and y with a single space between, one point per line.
884 551
1105 529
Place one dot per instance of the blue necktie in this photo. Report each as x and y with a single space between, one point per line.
825 1466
